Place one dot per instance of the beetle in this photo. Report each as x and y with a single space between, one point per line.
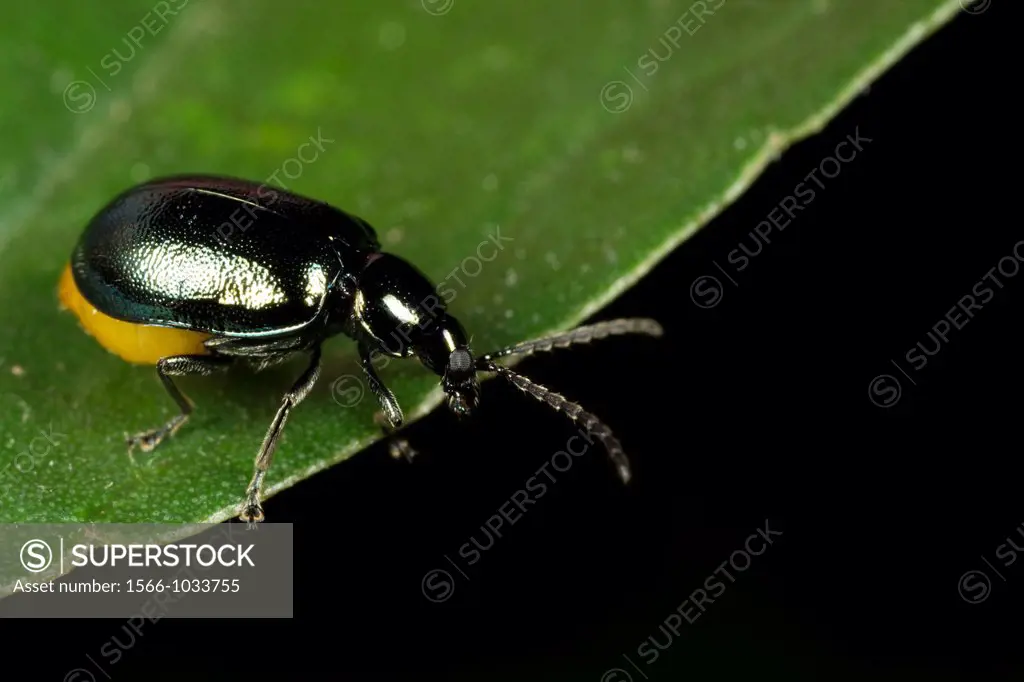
192 273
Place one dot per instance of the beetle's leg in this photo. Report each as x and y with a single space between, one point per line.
176 365
252 510
398 447
390 418
391 410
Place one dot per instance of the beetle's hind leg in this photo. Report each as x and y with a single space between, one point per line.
390 417
176 365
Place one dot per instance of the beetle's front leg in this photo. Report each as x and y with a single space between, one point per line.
397 446
390 418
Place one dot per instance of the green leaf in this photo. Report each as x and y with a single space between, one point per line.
595 142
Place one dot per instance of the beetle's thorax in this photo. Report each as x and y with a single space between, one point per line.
394 307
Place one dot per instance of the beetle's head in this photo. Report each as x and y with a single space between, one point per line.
460 383
448 354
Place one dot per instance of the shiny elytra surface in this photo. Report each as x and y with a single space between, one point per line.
218 255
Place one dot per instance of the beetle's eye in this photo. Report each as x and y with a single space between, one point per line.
459 361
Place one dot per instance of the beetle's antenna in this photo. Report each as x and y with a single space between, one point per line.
576 413
593 332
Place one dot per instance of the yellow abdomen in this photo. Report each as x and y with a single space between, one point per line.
140 344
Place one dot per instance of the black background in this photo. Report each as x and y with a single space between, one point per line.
766 414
